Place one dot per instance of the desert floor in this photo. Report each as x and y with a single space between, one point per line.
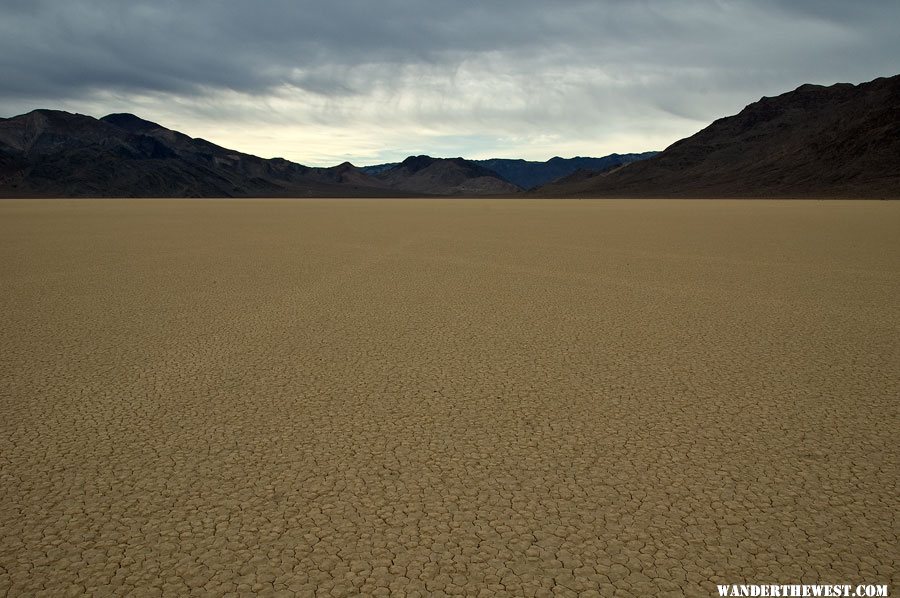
428 397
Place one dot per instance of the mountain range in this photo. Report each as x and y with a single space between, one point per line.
529 174
54 153
814 142
444 176
837 141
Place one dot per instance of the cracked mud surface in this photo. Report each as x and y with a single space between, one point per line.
504 398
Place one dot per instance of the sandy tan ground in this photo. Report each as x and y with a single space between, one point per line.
338 397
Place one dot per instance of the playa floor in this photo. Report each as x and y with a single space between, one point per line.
460 397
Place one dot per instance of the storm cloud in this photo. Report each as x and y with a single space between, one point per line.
320 82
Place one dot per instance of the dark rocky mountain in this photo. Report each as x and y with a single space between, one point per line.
54 153
836 141
58 154
445 176
378 168
529 174
816 141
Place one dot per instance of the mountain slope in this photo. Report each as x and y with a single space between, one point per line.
530 174
815 141
445 176
54 153
378 168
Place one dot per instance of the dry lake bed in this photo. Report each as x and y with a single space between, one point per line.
460 397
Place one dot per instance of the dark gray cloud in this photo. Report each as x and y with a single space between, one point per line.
51 47
510 63
168 45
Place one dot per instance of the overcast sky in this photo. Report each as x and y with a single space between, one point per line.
371 81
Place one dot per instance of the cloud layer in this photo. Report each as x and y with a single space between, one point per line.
371 81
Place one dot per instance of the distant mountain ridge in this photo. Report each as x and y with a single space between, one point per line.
530 174
814 142
444 176
378 168
55 153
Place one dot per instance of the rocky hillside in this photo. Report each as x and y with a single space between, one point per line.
836 141
530 174
54 153
445 176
